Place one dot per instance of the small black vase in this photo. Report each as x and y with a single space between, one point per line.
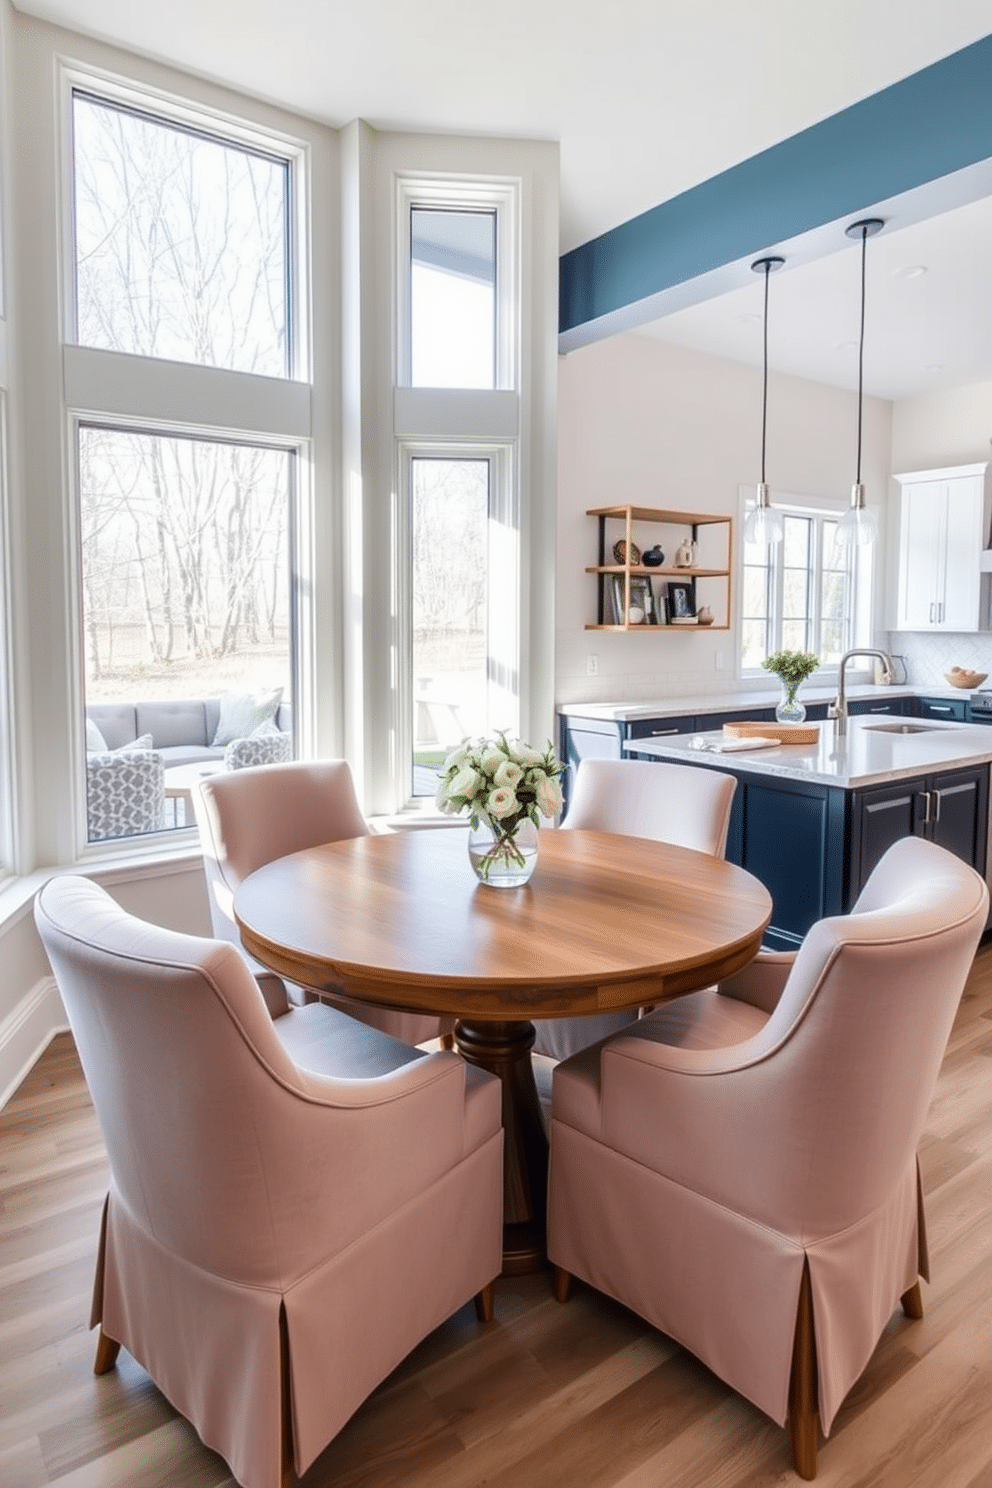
654 557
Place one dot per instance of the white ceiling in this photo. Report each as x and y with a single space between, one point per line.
646 98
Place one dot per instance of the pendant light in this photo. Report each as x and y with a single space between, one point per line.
858 526
763 524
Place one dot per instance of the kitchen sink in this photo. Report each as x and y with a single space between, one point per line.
904 728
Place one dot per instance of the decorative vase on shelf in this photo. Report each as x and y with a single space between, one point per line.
503 858
790 709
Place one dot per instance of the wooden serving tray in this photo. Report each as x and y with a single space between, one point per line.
785 733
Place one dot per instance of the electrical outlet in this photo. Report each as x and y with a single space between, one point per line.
592 665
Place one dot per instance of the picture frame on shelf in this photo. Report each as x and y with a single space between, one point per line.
681 601
642 598
642 595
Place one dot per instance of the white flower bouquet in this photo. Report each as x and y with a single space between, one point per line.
501 784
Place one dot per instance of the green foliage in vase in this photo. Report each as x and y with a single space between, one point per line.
792 666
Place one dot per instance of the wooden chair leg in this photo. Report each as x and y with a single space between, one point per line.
804 1416
562 1284
912 1301
107 1350
485 1303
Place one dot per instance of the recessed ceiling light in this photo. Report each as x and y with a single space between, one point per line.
749 319
910 271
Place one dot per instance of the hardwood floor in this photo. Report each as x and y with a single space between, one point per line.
580 1396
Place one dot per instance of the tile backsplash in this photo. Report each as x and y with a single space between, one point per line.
929 656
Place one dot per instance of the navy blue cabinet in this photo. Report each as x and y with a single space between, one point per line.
948 710
813 846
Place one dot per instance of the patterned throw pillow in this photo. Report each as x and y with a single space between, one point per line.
241 714
143 741
258 749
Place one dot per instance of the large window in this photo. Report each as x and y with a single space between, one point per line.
798 595
181 242
457 418
452 298
181 248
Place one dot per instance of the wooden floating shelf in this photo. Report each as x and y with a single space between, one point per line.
656 629
655 514
663 573
615 581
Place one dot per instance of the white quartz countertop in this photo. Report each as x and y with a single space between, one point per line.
724 702
870 753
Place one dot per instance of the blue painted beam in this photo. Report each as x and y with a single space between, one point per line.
921 129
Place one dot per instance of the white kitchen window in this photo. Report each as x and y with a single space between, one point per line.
799 595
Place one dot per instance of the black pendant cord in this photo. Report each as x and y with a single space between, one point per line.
861 343
764 384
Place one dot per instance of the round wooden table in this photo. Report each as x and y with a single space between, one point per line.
606 922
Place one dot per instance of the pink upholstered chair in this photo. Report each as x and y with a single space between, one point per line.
251 816
685 804
294 1203
739 1167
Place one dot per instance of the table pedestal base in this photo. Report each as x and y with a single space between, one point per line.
504 1050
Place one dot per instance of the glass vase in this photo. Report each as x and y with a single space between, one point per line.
503 857
790 709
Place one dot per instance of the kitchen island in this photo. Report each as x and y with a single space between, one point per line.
811 821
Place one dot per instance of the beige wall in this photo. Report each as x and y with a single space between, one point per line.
659 426
939 429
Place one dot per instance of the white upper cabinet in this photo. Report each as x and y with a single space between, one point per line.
943 534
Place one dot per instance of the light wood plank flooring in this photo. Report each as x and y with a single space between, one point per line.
580 1396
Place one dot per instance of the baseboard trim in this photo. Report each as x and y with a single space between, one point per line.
26 1033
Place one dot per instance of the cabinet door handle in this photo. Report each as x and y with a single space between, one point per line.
926 807
662 733
936 805
941 708
885 709
932 608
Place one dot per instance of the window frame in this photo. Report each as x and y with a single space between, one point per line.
502 598
9 833
481 194
132 393
820 509
210 123
452 423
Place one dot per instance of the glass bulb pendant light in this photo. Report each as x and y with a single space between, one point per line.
858 526
763 524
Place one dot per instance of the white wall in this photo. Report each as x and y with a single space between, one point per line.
656 425
940 429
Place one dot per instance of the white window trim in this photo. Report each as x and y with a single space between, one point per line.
226 129
861 576
373 166
154 395
9 834
483 194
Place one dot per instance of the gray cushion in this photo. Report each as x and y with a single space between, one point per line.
173 721
116 722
